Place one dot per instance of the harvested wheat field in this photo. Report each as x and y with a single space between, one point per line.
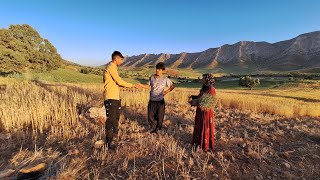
52 131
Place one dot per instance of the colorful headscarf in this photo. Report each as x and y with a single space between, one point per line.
209 79
208 84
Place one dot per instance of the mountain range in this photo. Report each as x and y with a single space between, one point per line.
301 52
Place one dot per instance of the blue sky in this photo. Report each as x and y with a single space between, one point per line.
88 31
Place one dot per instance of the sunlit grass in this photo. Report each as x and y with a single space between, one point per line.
49 114
67 76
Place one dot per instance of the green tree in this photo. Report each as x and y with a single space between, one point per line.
85 70
11 61
22 46
248 81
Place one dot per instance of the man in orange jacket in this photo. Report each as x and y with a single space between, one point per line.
112 82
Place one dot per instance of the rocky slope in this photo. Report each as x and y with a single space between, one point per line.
301 52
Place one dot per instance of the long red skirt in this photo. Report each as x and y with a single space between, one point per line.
203 134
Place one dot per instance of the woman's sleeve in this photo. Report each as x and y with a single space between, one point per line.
212 91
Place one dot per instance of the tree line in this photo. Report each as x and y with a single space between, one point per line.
22 48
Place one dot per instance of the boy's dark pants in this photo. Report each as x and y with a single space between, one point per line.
156 111
113 108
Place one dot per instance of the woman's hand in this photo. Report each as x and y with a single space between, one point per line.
193 103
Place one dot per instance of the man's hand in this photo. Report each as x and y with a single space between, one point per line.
138 85
145 86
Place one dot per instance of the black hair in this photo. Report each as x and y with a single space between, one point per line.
116 53
161 65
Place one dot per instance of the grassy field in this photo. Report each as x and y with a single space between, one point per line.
65 75
268 133
72 75
179 72
264 84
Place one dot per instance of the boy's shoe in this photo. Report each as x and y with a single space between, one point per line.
154 131
112 147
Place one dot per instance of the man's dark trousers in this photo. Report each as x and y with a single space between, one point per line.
113 108
156 111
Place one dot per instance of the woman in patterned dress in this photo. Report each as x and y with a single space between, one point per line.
203 134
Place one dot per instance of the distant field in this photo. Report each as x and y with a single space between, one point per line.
264 84
73 76
65 75
171 72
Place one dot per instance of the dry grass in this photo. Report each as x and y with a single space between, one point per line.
291 102
288 103
42 122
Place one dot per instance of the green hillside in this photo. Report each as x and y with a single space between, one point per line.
65 75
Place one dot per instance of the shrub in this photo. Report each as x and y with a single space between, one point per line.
248 81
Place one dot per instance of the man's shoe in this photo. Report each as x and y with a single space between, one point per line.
112 147
154 131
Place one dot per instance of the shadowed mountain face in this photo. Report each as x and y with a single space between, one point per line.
298 53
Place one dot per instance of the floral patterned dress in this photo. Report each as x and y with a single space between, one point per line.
203 134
